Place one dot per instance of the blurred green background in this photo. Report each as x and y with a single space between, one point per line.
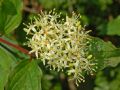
100 16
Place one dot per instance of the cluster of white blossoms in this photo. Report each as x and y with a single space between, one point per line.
61 44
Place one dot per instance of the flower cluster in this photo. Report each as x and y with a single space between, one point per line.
61 44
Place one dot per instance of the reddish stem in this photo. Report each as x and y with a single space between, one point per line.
15 46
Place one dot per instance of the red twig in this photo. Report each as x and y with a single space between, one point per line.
15 46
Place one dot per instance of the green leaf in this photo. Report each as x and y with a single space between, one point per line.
9 7
7 61
10 15
114 27
26 76
105 53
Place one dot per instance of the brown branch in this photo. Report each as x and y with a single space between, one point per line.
35 7
30 10
16 47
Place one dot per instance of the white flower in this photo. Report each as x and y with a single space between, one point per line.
61 44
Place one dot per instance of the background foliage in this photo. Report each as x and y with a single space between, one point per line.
19 72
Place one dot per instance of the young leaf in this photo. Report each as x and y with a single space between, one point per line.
26 76
114 27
